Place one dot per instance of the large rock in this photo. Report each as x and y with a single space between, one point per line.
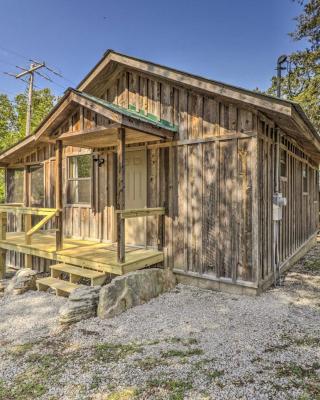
133 289
82 304
24 280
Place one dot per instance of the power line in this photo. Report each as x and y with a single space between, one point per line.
13 52
51 69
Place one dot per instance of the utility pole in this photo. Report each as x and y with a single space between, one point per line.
33 67
282 59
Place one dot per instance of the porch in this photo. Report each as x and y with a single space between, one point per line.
108 132
51 245
83 253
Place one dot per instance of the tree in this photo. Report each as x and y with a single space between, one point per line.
42 102
13 119
7 121
302 82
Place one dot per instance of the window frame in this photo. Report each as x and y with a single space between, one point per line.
69 179
305 168
283 164
7 182
29 172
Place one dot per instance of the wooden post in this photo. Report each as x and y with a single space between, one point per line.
59 205
161 219
27 217
121 194
3 232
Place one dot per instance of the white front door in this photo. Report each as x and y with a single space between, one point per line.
136 194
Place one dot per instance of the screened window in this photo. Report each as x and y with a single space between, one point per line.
305 178
36 186
79 179
283 163
15 185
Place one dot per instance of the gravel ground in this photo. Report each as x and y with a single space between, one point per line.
186 344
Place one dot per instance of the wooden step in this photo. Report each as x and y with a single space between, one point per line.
62 288
75 273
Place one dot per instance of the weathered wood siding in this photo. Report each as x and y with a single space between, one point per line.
301 214
206 187
216 182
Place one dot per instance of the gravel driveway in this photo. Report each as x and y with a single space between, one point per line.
186 344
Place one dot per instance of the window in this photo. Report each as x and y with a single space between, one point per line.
305 178
283 163
15 178
36 186
79 179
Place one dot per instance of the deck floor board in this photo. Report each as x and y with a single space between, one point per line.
84 253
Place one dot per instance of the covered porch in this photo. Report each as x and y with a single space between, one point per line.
118 129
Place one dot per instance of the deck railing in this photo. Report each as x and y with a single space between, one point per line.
136 213
47 213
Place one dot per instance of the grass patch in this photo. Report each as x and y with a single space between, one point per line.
21 349
203 363
312 266
181 353
174 389
28 387
96 382
149 363
124 394
277 347
307 341
184 342
110 352
42 371
3 390
214 374
297 371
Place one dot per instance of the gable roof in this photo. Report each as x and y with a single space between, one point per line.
265 103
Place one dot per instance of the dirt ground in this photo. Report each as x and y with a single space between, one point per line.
186 344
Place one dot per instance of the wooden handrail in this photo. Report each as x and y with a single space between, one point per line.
141 212
158 212
47 213
41 223
26 210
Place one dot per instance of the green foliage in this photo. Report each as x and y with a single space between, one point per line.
110 352
42 102
13 119
302 82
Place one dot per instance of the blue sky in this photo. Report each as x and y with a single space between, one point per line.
233 41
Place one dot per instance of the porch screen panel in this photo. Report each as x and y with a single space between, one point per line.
79 179
36 186
15 185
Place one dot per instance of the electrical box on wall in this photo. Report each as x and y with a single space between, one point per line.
278 202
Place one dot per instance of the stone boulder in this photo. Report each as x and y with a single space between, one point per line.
23 280
82 304
133 289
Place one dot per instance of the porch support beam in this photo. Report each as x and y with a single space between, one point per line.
27 218
121 185
3 252
58 191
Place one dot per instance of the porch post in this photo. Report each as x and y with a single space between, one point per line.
3 252
27 217
58 191
121 194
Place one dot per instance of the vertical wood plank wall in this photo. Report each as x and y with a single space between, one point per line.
206 187
301 214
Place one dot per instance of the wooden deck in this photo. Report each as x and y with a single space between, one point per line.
84 253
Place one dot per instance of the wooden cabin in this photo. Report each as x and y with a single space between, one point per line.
143 165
